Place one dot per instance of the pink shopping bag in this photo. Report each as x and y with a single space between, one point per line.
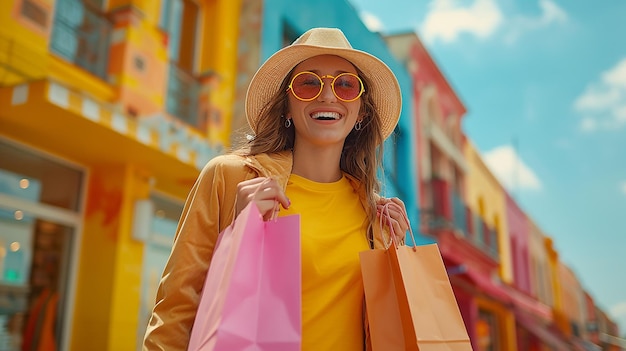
251 298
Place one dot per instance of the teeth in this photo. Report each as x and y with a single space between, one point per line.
326 115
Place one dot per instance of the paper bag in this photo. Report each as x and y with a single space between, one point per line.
409 299
251 298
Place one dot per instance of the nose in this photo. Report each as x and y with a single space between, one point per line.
327 94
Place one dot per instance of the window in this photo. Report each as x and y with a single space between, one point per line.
35 12
39 202
179 19
81 34
487 331
163 222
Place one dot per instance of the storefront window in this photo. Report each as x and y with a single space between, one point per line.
37 229
51 182
487 331
165 215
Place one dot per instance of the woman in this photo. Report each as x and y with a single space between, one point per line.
320 111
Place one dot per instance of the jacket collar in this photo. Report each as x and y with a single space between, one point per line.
279 165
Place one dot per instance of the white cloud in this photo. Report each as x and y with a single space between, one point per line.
510 170
447 19
616 76
604 101
618 313
623 187
373 23
550 13
588 124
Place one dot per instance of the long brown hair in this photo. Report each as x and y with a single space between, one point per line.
362 150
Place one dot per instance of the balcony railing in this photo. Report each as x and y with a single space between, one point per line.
485 237
183 92
459 212
81 36
449 212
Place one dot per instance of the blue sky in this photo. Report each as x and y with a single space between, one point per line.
544 83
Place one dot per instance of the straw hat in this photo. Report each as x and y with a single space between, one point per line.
384 88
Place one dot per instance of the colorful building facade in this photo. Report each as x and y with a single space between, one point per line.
468 243
108 109
487 202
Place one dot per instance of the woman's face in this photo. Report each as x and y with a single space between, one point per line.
325 120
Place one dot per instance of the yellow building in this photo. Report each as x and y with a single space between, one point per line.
486 200
108 109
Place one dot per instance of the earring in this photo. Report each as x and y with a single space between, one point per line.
358 125
287 123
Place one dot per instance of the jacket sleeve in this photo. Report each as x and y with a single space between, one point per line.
208 210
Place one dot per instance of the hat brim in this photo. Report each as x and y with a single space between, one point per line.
384 89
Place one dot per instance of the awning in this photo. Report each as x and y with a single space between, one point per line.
613 340
66 122
483 284
584 345
540 331
529 305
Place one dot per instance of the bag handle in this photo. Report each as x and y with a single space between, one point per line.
384 214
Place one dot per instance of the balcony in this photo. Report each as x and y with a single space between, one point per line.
183 92
450 213
81 35
459 213
484 237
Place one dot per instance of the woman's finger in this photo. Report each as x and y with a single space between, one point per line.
395 215
264 192
267 208
270 189
245 190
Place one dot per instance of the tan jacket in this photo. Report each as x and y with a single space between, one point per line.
209 209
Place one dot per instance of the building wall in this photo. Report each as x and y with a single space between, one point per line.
115 127
248 61
485 196
518 233
541 283
573 298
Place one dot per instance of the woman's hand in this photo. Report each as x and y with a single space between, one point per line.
265 192
397 219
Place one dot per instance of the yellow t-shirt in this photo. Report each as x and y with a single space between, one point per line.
333 226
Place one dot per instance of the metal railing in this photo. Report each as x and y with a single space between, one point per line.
183 90
459 214
81 36
449 212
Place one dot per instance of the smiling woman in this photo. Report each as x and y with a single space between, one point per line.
320 111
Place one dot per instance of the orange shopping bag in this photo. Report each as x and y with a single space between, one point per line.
409 300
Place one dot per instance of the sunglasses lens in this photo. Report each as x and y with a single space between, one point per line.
306 86
347 86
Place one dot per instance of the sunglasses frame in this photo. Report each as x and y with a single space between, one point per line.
332 85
